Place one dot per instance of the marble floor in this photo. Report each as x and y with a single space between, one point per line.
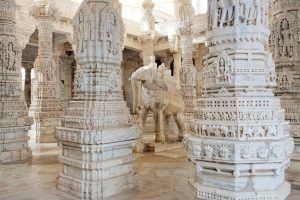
162 176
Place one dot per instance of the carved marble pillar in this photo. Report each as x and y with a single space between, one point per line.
58 50
148 41
67 79
239 143
45 106
27 86
177 67
14 120
97 136
285 46
201 51
188 71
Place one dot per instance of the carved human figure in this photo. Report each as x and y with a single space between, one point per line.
113 24
286 40
186 11
226 9
2 55
152 61
11 57
80 32
222 70
148 21
271 75
214 14
261 7
248 11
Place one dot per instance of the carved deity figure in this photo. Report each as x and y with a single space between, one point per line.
188 75
248 11
11 57
3 55
80 32
148 21
226 9
286 40
214 13
284 82
159 96
186 11
222 68
271 75
261 7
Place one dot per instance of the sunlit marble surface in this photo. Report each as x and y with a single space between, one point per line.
162 176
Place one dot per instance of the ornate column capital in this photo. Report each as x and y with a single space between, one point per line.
185 29
153 38
42 10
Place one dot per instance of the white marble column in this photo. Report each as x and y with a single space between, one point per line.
45 106
188 71
97 136
239 143
149 36
14 120
177 67
66 76
285 47
201 51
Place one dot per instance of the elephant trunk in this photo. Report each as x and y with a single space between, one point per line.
136 93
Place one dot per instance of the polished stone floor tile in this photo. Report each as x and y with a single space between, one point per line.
162 176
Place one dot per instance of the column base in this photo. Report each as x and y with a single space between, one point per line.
94 190
14 144
208 193
44 130
97 164
15 156
293 173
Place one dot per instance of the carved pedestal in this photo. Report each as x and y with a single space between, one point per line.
239 142
96 136
14 120
285 47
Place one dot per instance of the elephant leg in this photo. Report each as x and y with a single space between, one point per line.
180 124
145 113
166 125
159 127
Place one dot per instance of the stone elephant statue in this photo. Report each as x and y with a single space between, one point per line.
151 92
